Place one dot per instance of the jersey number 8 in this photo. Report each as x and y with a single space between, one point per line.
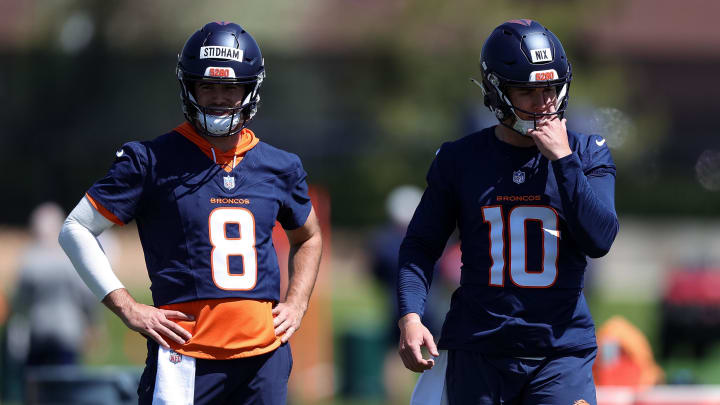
224 247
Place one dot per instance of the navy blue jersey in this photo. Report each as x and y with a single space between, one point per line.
526 226
206 232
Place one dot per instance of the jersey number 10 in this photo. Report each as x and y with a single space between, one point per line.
520 275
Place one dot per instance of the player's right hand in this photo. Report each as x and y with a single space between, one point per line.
150 321
413 336
156 323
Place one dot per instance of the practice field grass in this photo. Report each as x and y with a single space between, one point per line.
359 305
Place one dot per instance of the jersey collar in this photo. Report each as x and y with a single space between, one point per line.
227 159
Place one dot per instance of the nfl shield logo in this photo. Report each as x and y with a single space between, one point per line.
175 358
229 182
518 177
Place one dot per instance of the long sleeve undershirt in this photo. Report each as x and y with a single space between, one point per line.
587 203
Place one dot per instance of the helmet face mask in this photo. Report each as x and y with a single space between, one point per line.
523 54
221 54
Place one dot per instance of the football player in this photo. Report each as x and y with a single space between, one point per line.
205 197
531 201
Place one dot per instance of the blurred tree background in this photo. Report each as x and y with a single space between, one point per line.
365 92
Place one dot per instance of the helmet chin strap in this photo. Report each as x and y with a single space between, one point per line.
519 125
216 125
522 126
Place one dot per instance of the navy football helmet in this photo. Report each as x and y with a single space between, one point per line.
522 53
224 53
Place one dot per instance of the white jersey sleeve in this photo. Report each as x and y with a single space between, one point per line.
78 239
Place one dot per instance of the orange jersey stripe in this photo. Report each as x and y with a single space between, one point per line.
226 328
104 211
246 141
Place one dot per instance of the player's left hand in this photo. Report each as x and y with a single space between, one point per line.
551 138
287 317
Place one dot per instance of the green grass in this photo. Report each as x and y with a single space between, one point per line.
360 313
